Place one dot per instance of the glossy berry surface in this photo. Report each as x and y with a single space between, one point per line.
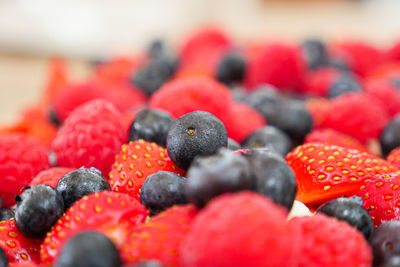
385 242
231 68
390 136
197 133
76 184
38 209
216 174
151 125
349 210
162 190
273 176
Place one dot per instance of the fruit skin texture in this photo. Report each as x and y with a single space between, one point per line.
161 237
385 242
187 95
21 158
90 137
197 133
381 197
50 176
231 231
135 162
113 214
18 247
358 115
324 172
326 241
89 249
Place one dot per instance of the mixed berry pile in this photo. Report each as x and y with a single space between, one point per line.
195 156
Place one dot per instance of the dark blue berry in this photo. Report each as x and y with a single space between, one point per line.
3 258
339 64
239 93
38 209
269 137
157 49
344 84
390 137
385 242
393 261
273 176
197 133
213 175
76 184
89 249
314 53
233 145
151 263
53 118
6 214
351 211
231 68
162 190
151 125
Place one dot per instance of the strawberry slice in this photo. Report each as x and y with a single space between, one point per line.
113 214
17 247
381 197
324 172
135 162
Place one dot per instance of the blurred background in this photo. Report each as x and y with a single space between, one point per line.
31 31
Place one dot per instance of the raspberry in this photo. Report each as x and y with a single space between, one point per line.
183 96
319 81
231 231
385 91
90 137
358 115
21 158
50 176
325 241
243 120
278 64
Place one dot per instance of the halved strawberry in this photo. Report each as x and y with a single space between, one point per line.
324 172
381 197
17 247
160 238
113 214
135 162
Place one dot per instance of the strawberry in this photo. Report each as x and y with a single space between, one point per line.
17 247
394 157
135 162
26 264
50 176
324 172
381 197
113 214
160 238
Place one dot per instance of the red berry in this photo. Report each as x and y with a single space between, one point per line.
243 120
385 91
326 241
319 81
21 158
161 237
381 197
17 247
324 172
394 157
183 96
50 176
113 214
135 162
318 108
90 137
358 115
244 229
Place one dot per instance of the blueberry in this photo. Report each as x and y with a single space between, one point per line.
339 64
273 176
385 242
3 258
269 137
151 125
197 133
76 184
213 175
153 75
53 118
390 137
231 68
157 49
38 209
350 211
314 53
233 145
393 261
162 190
239 93
344 84
151 263
89 249
6 214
